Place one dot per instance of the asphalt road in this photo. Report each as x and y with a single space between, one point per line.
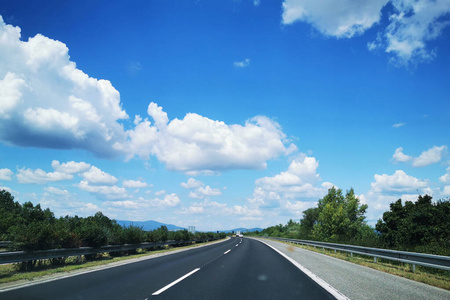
234 269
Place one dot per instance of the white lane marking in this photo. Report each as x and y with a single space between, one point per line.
175 282
237 245
227 251
338 295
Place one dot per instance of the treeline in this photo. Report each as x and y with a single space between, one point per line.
421 226
31 228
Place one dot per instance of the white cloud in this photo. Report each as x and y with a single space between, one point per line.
399 156
431 156
110 191
57 191
197 143
398 125
446 177
206 191
399 182
134 184
192 210
242 64
40 176
192 183
6 174
95 175
411 23
169 200
161 192
414 23
70 167
341 19
45 101
428 157
256 2
446 191
299 182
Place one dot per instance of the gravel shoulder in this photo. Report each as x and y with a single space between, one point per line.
359 282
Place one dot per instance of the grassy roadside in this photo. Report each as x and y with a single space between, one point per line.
430 276
8 273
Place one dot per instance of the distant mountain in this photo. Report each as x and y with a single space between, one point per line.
243 230
149 225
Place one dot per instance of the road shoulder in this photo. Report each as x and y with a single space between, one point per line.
359 282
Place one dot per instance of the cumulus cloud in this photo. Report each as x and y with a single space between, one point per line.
110 191
428 157
203 192
95 175
399 156
39 176
192 183
411 23
200 190
399 182
446 177
300 182
341 19
134 184
168 201
242 64
6 174
70 167
197 143
431 156
46 101
57 191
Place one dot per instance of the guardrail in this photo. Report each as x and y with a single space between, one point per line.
4 244
413 258
20 256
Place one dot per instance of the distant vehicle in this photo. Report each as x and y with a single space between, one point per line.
240 235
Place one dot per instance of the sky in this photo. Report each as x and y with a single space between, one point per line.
223 114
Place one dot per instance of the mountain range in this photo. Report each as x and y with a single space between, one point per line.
152 225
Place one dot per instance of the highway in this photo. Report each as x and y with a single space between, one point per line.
234 269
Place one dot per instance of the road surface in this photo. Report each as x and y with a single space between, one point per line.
234 269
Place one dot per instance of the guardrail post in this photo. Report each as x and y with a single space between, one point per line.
351 254
414 268
335 251
375 259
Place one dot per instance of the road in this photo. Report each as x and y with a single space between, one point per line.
234 269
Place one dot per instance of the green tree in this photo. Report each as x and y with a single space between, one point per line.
340 218
421 226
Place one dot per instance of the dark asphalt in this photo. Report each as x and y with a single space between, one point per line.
250 270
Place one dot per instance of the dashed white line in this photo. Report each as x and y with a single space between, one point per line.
237 245
175 282
227 251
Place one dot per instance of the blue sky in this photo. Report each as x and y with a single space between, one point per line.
222 114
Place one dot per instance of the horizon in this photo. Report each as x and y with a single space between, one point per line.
209 114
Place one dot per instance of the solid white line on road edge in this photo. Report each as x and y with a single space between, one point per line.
175 282
317 279
227 251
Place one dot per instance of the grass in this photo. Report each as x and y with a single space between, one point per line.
435 277
9 273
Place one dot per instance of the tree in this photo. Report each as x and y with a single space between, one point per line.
421 226
340 218
9 210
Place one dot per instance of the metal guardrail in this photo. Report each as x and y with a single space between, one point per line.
19 256
4 244
413 258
